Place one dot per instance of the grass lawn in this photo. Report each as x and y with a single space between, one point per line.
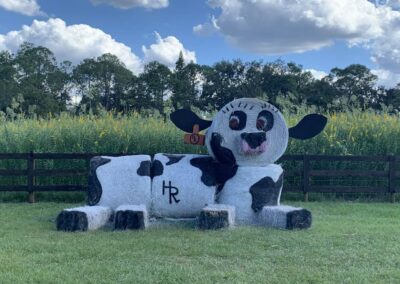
348 243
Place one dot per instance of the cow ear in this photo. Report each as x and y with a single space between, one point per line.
310 126
185 120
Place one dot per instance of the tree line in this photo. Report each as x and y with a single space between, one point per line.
33 82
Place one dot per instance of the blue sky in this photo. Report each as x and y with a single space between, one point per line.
327 34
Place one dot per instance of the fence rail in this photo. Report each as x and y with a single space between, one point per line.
306 173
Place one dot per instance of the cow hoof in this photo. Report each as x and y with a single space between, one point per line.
286 217
131 217
216 217
299 219
72 221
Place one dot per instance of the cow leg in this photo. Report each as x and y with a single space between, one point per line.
217 216
131 217
285 217
83 218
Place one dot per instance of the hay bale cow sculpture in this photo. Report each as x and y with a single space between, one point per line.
237 184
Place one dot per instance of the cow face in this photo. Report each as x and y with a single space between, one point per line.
248 131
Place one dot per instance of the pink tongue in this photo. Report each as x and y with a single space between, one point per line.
246 149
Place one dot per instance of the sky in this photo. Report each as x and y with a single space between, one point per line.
318 34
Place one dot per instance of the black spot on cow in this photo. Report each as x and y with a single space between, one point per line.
265 192
222 154
173 159
144 169
212 172
94 189
72 221
208 169
150 169
224 173
157 168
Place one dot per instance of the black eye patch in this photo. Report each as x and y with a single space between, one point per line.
237 120
265 121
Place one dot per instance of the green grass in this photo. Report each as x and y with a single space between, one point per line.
348 243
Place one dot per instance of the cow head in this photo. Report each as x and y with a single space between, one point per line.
248 131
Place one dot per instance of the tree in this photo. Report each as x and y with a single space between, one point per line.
8 83
105 81
155 85
322 94
252 87
84 77
33 81
356 83
223 82
185 82
41 81
392 97
287 80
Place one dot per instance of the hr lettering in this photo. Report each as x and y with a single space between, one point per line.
172 191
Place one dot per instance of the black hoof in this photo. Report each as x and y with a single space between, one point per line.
214 220
129 220
299 219
72 221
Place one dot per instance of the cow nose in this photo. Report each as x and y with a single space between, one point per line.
254 140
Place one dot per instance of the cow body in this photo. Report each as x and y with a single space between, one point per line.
251 189
180 186
179 191
117 181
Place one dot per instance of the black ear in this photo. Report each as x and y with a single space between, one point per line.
310 126
185 119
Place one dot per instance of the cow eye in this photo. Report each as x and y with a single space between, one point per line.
234 122
261 122
237 120
265 121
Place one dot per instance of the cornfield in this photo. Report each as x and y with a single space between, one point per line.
352 133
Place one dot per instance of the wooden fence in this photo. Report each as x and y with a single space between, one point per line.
305 172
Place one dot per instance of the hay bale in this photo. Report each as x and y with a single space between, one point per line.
131 217
83 218
217 216
123 180
183 186
286 217
251 189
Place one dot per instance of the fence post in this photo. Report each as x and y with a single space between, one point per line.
31 167
392 177
306 176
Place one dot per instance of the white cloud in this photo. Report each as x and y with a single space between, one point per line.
78 42
293 26
386 78
74 42
317 74
207 28
385 49
128 4
166 50
283 26
25 7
